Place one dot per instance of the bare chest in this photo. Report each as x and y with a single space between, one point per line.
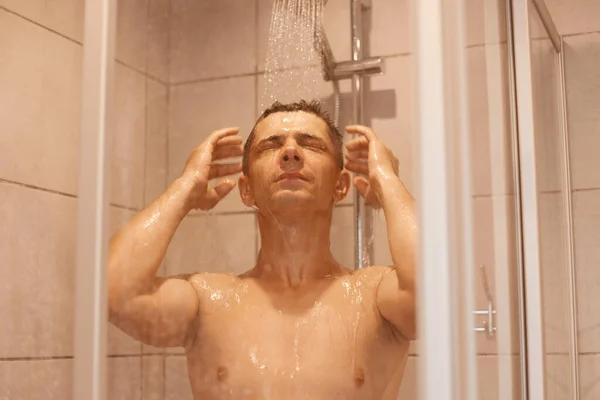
251 348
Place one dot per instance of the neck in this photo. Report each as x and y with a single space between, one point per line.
295 249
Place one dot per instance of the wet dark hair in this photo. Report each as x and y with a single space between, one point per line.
313 107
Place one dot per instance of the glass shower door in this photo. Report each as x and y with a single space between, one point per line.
469 203
551 343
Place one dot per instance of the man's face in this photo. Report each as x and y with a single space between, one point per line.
293 164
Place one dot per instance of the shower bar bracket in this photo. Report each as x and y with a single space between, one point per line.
488 324
346 69
367 4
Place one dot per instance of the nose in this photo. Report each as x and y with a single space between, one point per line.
291 157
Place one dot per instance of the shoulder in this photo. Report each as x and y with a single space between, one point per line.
372 274
210 282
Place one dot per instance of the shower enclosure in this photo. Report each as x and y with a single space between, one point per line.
490 106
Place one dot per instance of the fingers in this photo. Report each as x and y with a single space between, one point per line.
357 144
358 167
358 155
222 152
362 185
230 141
361 130
220 170
223 188
214 137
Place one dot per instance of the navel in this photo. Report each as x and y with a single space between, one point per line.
222 374
359 377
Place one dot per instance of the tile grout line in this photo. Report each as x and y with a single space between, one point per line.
40 25
145 74
57 358
258 72
148 75
38 188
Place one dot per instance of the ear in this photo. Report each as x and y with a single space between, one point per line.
245 192
342 186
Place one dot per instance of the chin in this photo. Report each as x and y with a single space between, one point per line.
292 198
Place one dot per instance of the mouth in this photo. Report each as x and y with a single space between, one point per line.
291 176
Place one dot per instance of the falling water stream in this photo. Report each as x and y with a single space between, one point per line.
293 65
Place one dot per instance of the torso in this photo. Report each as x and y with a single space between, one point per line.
330 342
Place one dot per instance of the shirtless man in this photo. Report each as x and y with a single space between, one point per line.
298 325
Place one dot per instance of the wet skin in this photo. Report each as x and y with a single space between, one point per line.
326 340
298 325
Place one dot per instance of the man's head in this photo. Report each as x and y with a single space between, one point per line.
314 108
293 156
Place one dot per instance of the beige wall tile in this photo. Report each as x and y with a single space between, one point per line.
336 23
389 111
582 57
342 236
479 129
589 373
132 33
546 118
210 39
586 227
62 108
30 9
66 17
575 16
128 150
41 80
177 383
409 389
38 256
498 377
388 27
196 110
63 16
555 279
159 31
489 121
36 380
156 140
485 22
558 377
153 382
215 243
123 375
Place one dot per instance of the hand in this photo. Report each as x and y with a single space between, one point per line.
369 156
200 168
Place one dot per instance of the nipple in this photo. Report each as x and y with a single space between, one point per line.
221 374
359 377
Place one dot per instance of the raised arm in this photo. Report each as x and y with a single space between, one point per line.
160 311
367 155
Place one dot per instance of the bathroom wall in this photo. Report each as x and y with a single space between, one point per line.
579 22
40 81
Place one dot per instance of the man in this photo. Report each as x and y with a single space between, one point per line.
298 325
